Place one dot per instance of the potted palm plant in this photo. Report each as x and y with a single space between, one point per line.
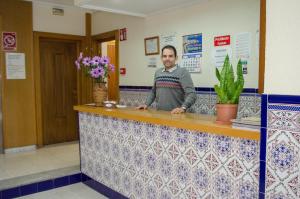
228 91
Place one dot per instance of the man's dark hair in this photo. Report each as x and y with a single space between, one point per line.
170 47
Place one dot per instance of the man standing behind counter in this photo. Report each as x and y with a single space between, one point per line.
173 88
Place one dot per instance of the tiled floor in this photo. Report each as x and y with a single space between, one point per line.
74 191
45 163
45 159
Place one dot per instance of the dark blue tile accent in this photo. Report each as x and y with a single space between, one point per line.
262 176
263 144
62 181
211 89
104 190
45 185
262 157
75 178
135 87
264 110
284 107
40 186
284 99
245 90
29 189
248 94
250 90
85 177
261 196
203 89
89 182
11 193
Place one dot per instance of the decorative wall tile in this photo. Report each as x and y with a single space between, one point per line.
284 117
283 151
141 160
205 104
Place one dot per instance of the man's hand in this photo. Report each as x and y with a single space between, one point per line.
178 110
142 107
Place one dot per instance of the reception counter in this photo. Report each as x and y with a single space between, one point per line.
154 154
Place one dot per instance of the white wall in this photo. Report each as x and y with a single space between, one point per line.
282 68
212 18
73 21
132 54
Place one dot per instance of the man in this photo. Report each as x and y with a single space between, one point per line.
173 88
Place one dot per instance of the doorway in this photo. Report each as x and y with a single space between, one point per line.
58 91
108 45
108 49
56 87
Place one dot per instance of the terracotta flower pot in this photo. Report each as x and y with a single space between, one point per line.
99 93
226 112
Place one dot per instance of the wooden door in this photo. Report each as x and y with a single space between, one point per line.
58 90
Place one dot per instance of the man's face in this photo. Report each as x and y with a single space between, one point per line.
168 58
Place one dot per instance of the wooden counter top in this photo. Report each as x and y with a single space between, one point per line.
203 123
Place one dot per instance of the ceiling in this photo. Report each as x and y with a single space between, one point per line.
141 8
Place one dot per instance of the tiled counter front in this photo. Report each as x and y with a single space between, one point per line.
142 160
283 151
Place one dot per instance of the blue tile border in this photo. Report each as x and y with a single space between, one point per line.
36 187
46 185
207 89
135 87
284 99
62 181
261 196
11 193
28 189
284 108
104 190
75 178
263 144
262 177
264 110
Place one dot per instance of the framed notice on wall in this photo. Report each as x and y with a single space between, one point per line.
151 45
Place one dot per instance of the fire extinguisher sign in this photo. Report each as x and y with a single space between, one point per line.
9 41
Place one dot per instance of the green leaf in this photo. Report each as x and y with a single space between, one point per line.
218 74
229 90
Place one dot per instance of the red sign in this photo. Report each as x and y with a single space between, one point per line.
9 41
222 40
123 34
122 71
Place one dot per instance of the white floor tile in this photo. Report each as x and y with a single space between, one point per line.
75 191
44 159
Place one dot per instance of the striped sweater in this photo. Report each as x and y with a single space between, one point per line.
172 89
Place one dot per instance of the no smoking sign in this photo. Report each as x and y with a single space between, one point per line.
9 41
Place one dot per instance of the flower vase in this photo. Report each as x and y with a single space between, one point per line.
99 93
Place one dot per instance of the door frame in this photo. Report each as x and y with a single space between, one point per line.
37 36
108 36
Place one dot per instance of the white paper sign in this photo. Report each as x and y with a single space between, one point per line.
168 39
219 54
15 65
152 62
242 45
